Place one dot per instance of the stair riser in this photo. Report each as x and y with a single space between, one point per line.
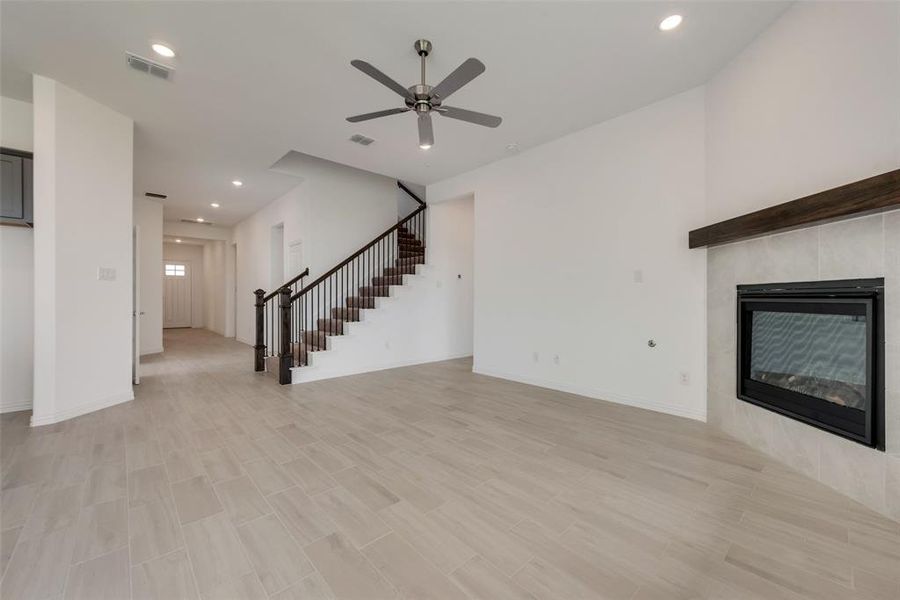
315 340
345 314
301 356
368 290
388 280
410 260
357 302
411 253
409 242
331 326
408 270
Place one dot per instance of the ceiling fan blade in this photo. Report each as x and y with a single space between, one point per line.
377 114
379 77
426 131
463 74
470 116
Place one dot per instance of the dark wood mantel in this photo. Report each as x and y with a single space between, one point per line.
875 194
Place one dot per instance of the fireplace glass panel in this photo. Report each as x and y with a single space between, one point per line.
819 355
814 351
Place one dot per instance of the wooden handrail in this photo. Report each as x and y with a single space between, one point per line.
287 284
347 260
410 192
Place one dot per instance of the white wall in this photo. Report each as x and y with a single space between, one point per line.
196 230
560 231
148 218
16 278
83 212
16 124
192 254
812 104
215 289
428 318
334 211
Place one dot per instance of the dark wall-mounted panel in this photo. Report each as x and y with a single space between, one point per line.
16 187
875 194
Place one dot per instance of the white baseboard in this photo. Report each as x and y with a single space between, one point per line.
312 373
15 406
83 409
595 394
152 351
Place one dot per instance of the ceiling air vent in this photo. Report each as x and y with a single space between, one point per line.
145 65
361 139
155 195
196 222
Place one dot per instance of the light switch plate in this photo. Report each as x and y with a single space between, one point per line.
106 274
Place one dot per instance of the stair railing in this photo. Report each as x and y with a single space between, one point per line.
320 309
269 335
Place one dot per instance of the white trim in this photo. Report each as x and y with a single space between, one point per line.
16 406
595 394
312 373
156 350
77 411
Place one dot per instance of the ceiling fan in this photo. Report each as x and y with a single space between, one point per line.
423 98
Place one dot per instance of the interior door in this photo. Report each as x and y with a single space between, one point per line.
176 294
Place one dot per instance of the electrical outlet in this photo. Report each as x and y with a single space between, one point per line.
535 356
685 378
556 359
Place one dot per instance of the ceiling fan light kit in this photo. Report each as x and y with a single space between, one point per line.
424 99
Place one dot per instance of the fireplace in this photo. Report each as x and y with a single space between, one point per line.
814 352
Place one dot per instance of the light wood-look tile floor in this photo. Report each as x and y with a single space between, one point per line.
422 482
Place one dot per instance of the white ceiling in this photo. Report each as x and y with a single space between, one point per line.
256 79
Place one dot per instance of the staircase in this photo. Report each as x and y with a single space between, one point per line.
297 320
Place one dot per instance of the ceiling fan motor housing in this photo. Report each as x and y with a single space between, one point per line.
420 98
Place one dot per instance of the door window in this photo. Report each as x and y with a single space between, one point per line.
174 270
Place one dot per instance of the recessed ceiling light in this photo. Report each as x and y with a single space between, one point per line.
237 183
200 219
163 50
177 241
214 205
670 22
514 147
424 146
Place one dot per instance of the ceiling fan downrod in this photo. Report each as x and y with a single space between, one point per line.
421 93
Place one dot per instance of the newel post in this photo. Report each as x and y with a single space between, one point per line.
259 360
285 356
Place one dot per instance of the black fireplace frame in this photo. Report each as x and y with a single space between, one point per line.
850 296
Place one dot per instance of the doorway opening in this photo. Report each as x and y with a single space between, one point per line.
177 297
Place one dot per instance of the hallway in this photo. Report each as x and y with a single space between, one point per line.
421 482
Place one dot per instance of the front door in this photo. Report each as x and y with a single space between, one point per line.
176 294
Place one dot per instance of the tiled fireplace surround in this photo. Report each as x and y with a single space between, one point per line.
855 248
